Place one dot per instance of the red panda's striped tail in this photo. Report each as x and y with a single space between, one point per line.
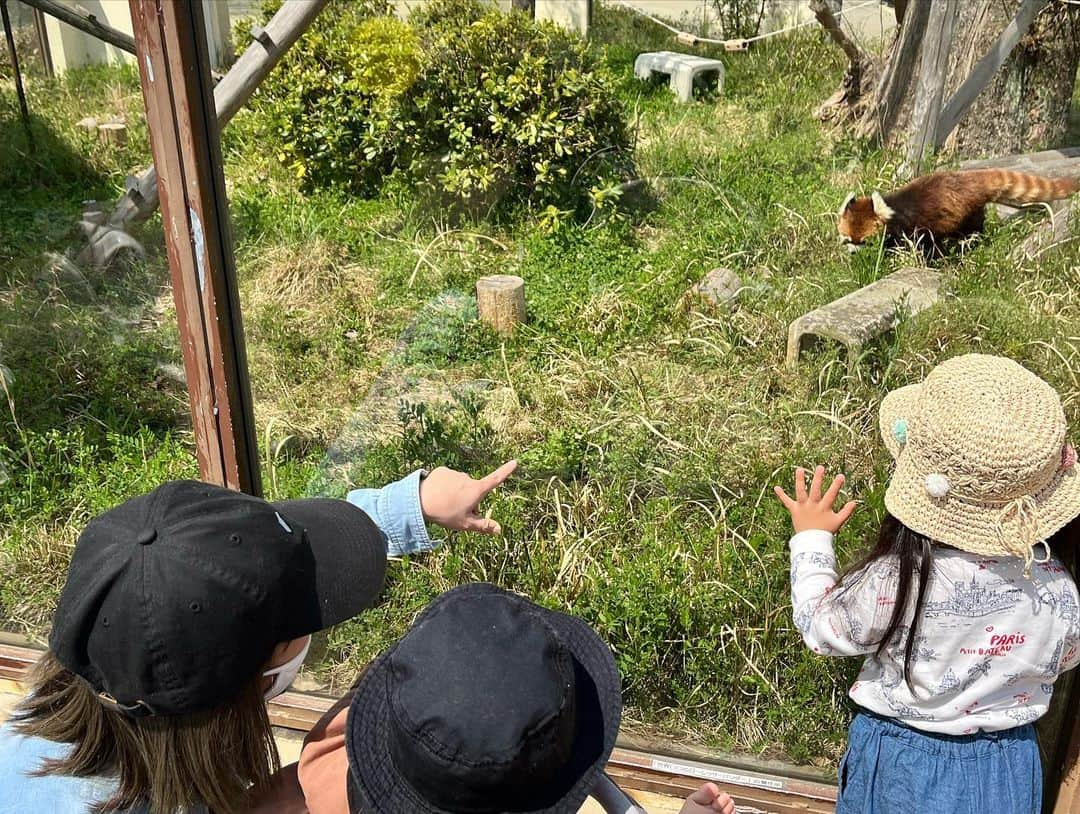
1019 188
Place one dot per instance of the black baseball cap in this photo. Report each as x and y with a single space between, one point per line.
174 600
490 703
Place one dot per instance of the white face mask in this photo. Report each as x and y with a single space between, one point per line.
285 674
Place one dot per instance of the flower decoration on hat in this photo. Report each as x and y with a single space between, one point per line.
1068 457
937 485
900 431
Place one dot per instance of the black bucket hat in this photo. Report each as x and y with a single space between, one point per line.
489 703
174 600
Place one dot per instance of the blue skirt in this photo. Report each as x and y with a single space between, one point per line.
890 768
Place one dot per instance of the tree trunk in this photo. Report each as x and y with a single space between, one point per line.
1024 106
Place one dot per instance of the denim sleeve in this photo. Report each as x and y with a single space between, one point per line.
396 511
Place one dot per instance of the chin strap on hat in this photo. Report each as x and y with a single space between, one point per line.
1025 513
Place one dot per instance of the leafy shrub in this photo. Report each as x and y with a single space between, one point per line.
508 112
489 110
339 81
444 14
441 332
454 435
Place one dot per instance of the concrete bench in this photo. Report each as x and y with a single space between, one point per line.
682 68
856 318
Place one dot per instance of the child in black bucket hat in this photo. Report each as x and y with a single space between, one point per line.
184 611
490 703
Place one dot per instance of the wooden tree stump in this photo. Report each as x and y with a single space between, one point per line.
113 133
500 300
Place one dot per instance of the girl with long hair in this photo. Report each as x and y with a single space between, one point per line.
963 611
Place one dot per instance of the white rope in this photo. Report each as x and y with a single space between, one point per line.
686 36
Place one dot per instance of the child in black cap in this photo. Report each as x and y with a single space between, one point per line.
184 611
489 704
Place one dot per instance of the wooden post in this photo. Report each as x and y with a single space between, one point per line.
1065 763
114 133
43 43
500 299
177 88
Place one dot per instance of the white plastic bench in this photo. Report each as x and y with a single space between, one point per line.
682 68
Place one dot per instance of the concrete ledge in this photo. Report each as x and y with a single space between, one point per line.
858 317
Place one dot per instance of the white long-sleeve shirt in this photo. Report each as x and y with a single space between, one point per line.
990 646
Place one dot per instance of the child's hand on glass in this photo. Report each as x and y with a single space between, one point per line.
708 800
814 510
452 499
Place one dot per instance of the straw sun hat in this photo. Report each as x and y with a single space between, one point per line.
982 461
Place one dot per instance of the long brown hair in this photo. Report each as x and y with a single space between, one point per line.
221 759
914 555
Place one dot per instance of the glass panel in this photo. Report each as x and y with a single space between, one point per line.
380 171
94 408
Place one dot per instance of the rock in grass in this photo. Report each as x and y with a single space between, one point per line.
719 287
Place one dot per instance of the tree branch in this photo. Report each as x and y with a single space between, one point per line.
851 87
828 21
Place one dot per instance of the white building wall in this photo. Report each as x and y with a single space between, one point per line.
572 14
873 21
72 48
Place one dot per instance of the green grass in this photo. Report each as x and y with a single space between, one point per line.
650 428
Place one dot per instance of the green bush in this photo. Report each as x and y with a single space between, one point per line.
443 331
486 110
326 99
509 112
443 14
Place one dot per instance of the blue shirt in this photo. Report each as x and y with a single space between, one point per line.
57 794
396 511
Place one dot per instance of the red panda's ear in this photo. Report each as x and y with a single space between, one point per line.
846 204
881 209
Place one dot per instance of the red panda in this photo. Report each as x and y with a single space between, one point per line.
944 205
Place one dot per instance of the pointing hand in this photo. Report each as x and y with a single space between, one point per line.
452 499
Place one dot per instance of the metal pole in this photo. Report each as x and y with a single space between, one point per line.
10 36
174 66
43 43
